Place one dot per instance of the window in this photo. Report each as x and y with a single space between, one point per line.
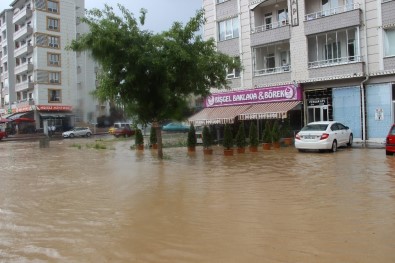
228 29
282 16
54 95
53 24
233 73
389 42
53 7
53 59
332 52
221 1
53 41
54 77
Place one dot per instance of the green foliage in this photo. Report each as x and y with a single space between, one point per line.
152 75
191 142
241 137
139 139
267 133
206 137
276 135
152 136
286 130
253 135
228 137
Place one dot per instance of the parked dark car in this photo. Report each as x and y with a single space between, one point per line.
390 142
125 132
3 134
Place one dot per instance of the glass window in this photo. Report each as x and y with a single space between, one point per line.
233 73
53 59
54 95
389 42
54 77
53 6
228 29
52 23
53 41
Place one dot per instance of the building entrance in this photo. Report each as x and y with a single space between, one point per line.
318 113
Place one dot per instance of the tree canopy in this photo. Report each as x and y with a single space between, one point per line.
152 75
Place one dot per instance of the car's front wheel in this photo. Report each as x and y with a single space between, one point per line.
88 134
71 135
350 140
334 146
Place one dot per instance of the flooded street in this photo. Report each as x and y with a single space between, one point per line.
64 204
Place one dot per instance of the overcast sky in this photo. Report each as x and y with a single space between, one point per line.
161 13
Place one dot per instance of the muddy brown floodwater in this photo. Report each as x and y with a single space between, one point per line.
64 204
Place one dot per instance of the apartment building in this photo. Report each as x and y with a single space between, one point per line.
40 79
305 61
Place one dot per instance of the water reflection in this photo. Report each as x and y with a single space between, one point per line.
61 204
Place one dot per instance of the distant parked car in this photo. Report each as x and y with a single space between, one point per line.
3 134
77 132
390 141
323 135
118 125
175 127
125 132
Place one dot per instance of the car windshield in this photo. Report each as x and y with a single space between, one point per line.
315 127
392 132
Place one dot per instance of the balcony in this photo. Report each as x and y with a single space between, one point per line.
23 33
22 15
26 85
23 103
270 33
23 68
333 19
23 50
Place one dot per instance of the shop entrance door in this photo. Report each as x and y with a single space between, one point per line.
318 113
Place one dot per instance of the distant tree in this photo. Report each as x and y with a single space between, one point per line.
152 136
206 137
228 137
139 139
152 75
253 135
241 137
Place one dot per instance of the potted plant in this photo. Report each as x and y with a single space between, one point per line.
152 138
191 141
286 133
207 141
139 140
267 136
253 138
228 141
241 139
276 134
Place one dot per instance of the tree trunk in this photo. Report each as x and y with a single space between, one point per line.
158 131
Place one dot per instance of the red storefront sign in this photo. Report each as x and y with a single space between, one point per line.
53 108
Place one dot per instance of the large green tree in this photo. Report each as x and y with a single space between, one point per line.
152 74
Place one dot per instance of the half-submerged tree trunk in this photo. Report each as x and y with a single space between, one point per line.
158 131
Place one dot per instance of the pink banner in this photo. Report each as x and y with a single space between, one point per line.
252 96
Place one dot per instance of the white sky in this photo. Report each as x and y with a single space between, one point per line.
161 13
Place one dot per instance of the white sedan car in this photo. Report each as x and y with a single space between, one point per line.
77 131
323 135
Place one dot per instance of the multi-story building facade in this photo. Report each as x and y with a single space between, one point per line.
338 54
40 78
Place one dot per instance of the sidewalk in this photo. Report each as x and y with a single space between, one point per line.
37 136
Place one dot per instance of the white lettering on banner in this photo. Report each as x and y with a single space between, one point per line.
245 97
275 94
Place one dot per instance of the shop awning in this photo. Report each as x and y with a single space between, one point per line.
17 115
217 115
274 110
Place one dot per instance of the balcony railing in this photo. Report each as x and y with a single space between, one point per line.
270 26
335 61
23 32
23 102
22 14
22 68
267 71
22 50
329 12
25 85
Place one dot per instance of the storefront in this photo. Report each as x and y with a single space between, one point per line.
252 105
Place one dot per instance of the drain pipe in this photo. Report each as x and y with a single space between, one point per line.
362 86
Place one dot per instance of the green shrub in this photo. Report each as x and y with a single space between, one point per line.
241 137
191 142
276 135
228 137
152 136
253 135
139 139
267 133
206 137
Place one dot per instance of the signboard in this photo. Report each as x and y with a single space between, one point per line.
53 108
379 114
253 96
294 13
317 102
